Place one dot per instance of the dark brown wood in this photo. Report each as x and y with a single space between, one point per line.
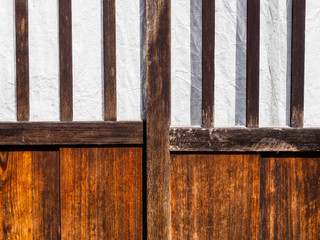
158 55
208 40
65 40
73 133
245 139
109 44
289 198
214 196
253 46
101 193
297 62
22 59
29 195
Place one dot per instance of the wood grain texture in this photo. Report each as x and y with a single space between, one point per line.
101 193
65 43
245 139
72 133
290 198
29 195
22 59
253 46
297 62
158 56
214 196
208 43
109 44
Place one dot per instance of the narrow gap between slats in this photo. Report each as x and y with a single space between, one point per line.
208 42
297 63
22 60
109 44
65 40
253 47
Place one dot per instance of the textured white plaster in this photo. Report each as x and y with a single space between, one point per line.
128 59
44 60
312 65
87 59
7 62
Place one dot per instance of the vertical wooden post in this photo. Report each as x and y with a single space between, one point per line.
158 118
253 50
297 62
22 59
109 44
65 40
208 38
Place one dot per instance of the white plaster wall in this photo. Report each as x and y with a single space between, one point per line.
230 60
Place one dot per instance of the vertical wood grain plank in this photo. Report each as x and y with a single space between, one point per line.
158 117
290 199
109 44
65 41
253 50
297 62
208 43
215 196
29 195
22 59
101 193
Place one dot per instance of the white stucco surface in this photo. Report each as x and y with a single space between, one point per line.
230 61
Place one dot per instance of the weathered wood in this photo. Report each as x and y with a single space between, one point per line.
297 62
65 41
109 44
22 59
214 196
158 118
208 41
101 193
245 139
253 46
73 133
29 195
289 198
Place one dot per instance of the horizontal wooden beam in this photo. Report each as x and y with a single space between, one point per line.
245 139
72 133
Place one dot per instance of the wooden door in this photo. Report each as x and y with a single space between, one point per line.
71 193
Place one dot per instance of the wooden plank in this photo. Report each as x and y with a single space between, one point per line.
208 41
297 62
65 40
158 55
245 139
214 196
109 43
72 133
29 195
290 200
22 59
101 193
253 46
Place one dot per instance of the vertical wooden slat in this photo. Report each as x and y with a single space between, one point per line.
208 41
22 59
158 118
65 39
109 44
297 62
253 46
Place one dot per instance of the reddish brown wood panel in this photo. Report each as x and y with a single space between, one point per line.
29 195
109 40
22 59
101 193
290 198
65 40
214 196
